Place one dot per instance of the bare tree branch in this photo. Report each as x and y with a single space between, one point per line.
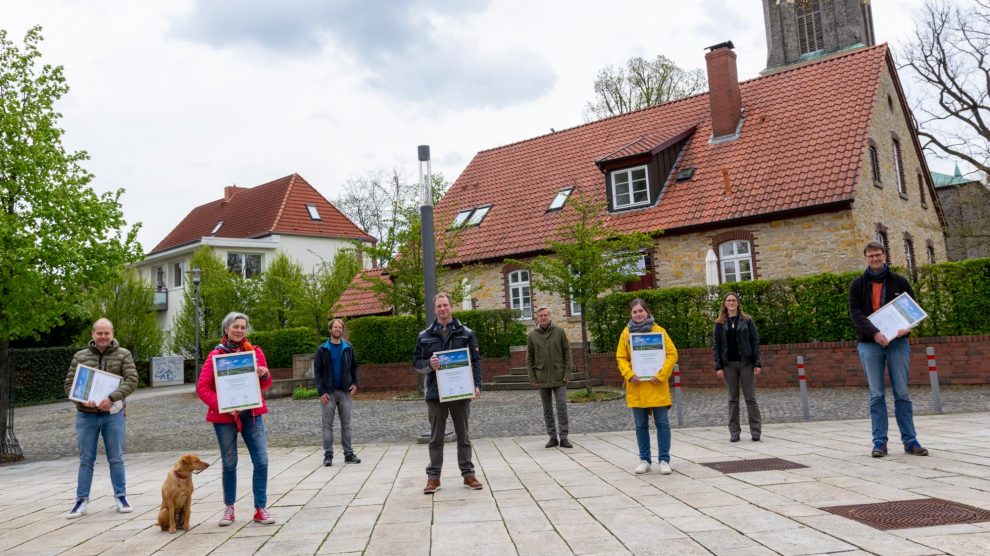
640 84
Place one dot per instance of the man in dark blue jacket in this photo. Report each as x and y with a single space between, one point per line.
446 333
335 369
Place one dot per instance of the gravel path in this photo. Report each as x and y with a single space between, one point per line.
159 420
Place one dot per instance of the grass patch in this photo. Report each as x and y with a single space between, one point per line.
596 395
304 393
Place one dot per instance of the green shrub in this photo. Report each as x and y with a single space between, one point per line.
497 330
304 393
383 339
39 373
278 345
804 309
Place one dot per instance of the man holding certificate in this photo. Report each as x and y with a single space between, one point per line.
447 353
877 286
102 366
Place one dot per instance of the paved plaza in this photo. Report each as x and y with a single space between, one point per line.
536 501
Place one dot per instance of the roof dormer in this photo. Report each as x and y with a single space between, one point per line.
635 173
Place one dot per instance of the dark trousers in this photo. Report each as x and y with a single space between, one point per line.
459 412
548 396
738 374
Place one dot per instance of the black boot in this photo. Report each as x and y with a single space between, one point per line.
552 443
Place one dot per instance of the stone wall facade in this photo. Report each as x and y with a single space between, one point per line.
967 214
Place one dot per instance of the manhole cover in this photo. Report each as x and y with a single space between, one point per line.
904 514
748 465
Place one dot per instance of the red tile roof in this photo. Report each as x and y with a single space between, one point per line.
277 207
801 145
358 300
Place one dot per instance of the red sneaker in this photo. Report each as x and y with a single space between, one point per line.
228 516
261 515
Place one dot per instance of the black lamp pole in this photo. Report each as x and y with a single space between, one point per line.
195 279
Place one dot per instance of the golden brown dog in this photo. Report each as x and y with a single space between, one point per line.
177 493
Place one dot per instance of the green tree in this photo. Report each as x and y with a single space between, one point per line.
280 294
324 287
220 292
59 239
128 301
586 259
641 84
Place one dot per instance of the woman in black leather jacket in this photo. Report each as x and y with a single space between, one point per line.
736 347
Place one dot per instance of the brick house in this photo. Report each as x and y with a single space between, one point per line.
784 175
247 228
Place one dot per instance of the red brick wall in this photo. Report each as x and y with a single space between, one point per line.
961 360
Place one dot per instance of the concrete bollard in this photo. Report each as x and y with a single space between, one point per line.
678 399
933 375
802 382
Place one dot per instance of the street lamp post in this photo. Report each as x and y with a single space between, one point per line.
426 229
195 279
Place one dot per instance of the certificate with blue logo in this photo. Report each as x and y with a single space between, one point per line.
902 313
236 378
648 354
455 379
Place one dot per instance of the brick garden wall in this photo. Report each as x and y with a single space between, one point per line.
961 360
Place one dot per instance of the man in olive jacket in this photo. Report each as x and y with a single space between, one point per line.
102 417
548 361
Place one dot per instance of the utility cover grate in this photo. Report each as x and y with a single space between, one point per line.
905 514
749 465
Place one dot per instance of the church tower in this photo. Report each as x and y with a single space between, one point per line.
799 30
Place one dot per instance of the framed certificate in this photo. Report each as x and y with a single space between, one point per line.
902 312
455 379
648 353
236 379
92 385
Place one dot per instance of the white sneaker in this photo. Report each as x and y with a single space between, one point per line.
664 468
643 467
123 506
78 509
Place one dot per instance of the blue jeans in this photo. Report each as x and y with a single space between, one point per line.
642 417
89 427
895 358
253 431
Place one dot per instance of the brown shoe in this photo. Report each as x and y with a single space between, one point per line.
472 483
432 485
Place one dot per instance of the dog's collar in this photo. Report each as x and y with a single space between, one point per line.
180 475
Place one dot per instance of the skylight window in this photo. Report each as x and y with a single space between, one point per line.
313 213
685 174
461 218
478 216
216 228
560 199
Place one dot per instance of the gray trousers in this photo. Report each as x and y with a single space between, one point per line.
547 396
737 374
459 412
338 399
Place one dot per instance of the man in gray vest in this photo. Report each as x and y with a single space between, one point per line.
548 361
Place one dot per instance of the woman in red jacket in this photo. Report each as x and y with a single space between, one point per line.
248 422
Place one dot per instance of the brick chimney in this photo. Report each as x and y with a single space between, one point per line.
723 89
228 192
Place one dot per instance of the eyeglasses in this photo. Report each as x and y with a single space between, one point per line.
875 256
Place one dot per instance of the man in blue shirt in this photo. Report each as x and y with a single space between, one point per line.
336 372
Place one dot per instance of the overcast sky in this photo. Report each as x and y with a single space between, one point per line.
175 99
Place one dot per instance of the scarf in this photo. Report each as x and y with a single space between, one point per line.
880 277
645 326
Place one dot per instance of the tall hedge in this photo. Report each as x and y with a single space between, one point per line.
279 345
956 296
39 373
393 339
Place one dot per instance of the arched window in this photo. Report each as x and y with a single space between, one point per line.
736 261
809 23
909 255
930 251
884 240
899 169
921 190
875 163
520 297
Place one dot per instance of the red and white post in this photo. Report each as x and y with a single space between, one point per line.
803 383
678 397
933 375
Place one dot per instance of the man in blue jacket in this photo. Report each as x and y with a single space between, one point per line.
444 334
336 372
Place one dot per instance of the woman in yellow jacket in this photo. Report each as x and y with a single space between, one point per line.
646 396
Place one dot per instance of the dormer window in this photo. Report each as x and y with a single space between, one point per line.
216 228
314 214
470 217
560 199
630 188
478 216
